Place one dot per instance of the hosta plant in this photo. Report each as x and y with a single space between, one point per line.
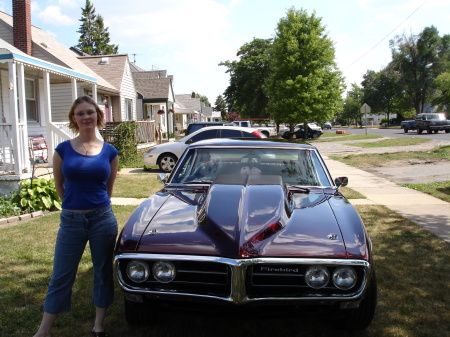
38 195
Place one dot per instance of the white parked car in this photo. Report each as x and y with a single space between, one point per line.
166 155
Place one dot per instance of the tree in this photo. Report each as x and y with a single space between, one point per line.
443 86
245 92
304 83
94 36
352 106
411 56
203 99
383 91
221 106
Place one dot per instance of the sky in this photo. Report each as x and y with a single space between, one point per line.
189 38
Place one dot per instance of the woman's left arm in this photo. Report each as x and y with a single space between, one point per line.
112 177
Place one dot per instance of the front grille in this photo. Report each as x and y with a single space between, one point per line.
241 281
287 280
192 277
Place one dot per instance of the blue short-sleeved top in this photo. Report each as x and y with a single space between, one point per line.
85 177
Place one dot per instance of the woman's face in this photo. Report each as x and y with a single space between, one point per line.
85 115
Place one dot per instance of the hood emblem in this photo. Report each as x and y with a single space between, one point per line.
332 236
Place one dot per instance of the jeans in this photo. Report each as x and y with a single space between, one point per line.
99 227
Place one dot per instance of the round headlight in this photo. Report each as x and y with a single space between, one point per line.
163 271
344 278
137 271
317 277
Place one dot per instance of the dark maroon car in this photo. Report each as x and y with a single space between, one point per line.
248 226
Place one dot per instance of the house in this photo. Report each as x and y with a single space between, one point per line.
156 98
116 69
39 80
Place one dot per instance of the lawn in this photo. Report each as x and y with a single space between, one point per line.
412 269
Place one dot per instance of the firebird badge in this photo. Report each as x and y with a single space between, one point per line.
152 232
332 236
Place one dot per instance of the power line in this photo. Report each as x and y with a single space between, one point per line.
384 38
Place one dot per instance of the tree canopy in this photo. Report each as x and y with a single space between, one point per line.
304 83
247 75
221 105
413 57
94 36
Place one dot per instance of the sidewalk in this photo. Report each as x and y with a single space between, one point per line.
429 212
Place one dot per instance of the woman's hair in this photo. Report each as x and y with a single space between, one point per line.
87 99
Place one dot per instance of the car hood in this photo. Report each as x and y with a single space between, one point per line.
246 220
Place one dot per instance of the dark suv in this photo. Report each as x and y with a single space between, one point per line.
432 122
192 127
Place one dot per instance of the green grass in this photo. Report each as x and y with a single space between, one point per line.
351 194
439 190
370 160
393 142
345 137
412 270
136 185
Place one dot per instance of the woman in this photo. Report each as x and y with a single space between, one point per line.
84 169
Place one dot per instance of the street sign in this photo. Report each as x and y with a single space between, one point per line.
365 109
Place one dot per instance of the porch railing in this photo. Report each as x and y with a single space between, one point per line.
145 131
6 148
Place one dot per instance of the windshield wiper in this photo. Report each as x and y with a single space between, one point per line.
198 182
300 189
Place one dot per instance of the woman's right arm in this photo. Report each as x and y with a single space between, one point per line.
57 174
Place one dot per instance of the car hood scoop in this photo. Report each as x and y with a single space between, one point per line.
254 218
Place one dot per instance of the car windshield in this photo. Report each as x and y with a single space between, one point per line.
301 167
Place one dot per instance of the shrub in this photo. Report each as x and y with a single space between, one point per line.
8 208
37 195
126 143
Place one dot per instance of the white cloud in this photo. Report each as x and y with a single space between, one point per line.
52 15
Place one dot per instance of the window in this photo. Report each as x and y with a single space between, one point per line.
129 109
31 102
230 134
207 134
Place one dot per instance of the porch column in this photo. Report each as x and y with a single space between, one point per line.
74 89
23 153
94 92
48 118
13 107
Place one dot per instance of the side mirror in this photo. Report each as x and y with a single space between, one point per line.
341 182
162 177
189 141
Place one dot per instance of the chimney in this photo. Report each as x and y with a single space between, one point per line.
22 25
193 95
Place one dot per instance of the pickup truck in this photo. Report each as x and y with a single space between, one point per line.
265 130
431 122
407 125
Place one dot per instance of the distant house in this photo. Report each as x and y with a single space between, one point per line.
156 98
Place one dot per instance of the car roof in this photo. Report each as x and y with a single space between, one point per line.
210 123
224 127
249 142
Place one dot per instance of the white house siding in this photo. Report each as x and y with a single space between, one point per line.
61 100
6 33
128 91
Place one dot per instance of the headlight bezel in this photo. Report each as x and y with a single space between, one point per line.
317 271
145 270
166 275
349 271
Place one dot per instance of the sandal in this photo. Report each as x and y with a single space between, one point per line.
99 334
